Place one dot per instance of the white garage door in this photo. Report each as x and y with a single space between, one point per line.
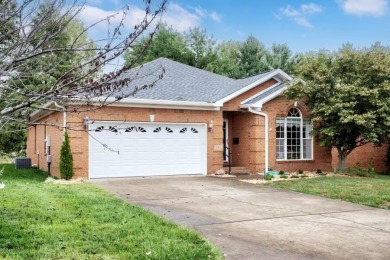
119 149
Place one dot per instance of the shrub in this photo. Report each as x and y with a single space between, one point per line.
284 176
319 171
268 177
300 171
281 172
294 176
66 159
361 172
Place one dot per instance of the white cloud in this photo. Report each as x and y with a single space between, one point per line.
179 18
203 13
176 16
311 8
92 14
303 22
299 15
200 11
216 17
364 7
289 11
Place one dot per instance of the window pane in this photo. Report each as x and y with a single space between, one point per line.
307 127
294 112
279 128
293 138
280 149
307 151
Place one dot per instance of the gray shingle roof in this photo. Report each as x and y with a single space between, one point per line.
266 93
182 82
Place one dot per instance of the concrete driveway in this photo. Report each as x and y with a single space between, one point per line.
251 222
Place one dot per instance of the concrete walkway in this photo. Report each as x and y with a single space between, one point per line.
252 222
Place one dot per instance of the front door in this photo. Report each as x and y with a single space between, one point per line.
225 141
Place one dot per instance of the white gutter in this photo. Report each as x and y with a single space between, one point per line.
153 102
250 109
64 111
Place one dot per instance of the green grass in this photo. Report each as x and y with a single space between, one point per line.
373 192
81 221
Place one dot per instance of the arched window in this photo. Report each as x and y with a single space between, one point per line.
293 139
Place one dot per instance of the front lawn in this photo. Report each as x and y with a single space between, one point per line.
373 192
80 221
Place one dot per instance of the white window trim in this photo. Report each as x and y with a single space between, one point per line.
301 140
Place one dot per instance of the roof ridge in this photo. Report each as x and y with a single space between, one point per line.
193 67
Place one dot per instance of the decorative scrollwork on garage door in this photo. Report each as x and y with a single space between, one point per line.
183 130
113 129
194 130
168 130
99 129
158 129
135 129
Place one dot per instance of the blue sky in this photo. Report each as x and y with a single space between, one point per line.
303 25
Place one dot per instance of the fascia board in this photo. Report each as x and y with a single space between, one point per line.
278 74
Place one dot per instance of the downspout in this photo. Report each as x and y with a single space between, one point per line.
64 127
250 109
64 111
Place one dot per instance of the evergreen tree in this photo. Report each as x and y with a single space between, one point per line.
253 58
66 159
166 43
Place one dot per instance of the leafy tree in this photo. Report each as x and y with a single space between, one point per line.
54 65
202 47
280 57
227 62
348 93
166 43
46 56
66 159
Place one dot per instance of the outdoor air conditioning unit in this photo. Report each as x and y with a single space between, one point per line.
22 163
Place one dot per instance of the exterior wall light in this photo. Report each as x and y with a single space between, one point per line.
210 125
86 122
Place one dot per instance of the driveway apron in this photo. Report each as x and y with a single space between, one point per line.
252 222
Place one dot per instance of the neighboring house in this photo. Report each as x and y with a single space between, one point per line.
185 124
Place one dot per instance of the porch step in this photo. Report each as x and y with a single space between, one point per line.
237 170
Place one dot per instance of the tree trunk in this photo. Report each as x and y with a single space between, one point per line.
342 155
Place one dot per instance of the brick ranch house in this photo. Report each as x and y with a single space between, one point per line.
185 124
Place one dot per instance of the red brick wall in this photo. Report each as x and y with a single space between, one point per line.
366 156
36 146
234 104
79 139
279 107
249 129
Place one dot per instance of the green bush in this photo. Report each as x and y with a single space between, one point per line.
66 159
284 176
319 171
361 172
268 177
281 172
300 171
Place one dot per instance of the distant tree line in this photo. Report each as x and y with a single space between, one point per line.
196 48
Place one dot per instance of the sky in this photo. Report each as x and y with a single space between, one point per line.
302 25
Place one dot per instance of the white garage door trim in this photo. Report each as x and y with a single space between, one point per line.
159 149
